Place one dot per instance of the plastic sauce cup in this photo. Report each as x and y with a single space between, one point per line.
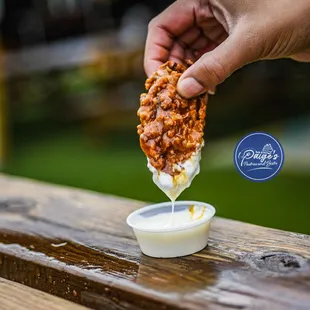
188 234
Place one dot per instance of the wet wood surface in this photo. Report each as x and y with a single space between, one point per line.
15 296
75 244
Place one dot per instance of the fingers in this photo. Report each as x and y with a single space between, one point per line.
189 36
302 57
200 43
209 46
186 46
217 65
177 53
170 24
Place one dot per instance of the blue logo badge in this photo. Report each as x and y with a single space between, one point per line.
259 156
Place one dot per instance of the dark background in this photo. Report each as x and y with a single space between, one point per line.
71 78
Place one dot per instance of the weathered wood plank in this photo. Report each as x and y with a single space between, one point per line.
15 296
62 240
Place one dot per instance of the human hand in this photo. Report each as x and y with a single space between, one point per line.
222 36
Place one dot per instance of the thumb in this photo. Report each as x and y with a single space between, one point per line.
215 66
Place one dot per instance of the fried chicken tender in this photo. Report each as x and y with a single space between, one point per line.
171 127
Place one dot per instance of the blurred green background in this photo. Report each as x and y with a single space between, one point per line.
71 82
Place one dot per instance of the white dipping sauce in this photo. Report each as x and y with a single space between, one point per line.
173 186
188 233
180 218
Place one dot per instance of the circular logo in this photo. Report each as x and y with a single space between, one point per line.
259 156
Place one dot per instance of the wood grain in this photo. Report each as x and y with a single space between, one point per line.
15 296
76 245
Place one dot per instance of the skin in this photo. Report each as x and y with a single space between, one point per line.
222 36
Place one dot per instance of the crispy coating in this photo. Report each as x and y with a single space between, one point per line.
171 127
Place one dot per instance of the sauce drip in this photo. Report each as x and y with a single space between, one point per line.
170 222
173 199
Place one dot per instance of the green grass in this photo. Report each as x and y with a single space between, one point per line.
70 159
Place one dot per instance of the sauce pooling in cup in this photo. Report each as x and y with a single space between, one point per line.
171 130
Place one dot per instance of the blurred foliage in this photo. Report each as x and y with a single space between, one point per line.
77 126
119 167
57 139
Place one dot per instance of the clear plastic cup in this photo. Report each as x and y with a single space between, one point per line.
188 233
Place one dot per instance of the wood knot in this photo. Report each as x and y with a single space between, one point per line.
280 262
16 204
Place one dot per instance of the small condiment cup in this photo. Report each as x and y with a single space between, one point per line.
164 241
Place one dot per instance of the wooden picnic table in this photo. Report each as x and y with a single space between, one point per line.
75 244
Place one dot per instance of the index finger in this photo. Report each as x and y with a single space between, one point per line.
164 29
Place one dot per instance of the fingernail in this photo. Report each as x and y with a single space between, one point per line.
189 87
211 92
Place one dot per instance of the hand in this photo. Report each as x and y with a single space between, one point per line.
222 36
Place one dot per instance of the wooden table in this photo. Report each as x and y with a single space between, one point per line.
75 245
